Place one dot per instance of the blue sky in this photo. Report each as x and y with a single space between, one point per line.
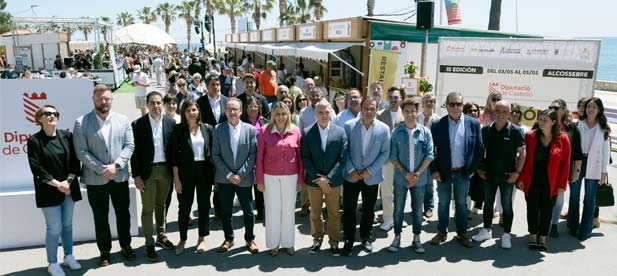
564 18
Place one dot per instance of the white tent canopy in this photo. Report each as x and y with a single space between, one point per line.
143 34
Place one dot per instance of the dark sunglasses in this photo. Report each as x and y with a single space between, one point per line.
455 104
496 99
49 113
303 99
516 112
554 107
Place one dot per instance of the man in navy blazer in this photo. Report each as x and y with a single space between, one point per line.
151 171
369 149
233 152
459 149
324 154
104 144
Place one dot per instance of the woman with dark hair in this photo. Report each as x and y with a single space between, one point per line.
54 166
580 109
301 102
192 170
544 174
476 190
339 102
252 116
595 143
564 120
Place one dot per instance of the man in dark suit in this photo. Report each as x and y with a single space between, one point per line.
212 108
233 152
151 172
104 144
324 153
250 83
458 144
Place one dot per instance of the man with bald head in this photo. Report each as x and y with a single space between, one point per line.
504 148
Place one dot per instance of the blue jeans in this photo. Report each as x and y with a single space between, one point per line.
584 225
417 199
505 190
557 209
444 192
59 224
429 195
245 196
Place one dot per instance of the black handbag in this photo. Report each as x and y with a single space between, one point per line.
605 196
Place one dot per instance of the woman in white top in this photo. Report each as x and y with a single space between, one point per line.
595 142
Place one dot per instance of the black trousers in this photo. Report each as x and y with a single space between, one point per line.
351 191
201 181
98 197
539 208
215 200
259 201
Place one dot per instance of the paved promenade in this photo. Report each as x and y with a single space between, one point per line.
565 256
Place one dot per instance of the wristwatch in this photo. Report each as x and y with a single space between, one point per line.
70 179
117 166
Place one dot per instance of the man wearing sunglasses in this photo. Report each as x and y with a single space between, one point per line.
459 149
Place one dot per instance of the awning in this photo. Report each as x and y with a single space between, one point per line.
309 50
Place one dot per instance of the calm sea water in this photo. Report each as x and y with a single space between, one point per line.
607 67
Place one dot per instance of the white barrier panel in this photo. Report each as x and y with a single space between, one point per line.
19 99
531 72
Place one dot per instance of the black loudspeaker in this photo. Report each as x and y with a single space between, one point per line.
424 15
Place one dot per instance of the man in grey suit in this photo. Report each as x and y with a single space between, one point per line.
104 144
233 153
369 149
324 154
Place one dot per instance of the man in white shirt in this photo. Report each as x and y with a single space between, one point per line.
158 63
151 172
141 82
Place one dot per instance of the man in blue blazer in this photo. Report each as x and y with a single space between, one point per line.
233 152
459 149
324 155
151 171
104 144
369 149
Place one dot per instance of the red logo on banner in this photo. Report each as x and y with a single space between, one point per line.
30 106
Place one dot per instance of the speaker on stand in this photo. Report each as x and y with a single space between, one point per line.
425 11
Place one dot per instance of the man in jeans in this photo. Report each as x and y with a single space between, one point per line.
504 147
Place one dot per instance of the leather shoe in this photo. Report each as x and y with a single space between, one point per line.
128 253
274 251
304 211
464 240
104 259
290 251
428 214
226 246
252 247
439 238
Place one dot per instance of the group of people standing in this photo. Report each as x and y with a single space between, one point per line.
241 146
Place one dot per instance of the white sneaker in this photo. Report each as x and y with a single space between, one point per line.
506 241
386 226
484 234
55 269
70 261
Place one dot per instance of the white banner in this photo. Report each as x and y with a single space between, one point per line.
530 72
20 99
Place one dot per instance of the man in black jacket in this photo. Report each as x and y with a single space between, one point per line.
151 172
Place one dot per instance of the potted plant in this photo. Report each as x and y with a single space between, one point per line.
425 86
410 69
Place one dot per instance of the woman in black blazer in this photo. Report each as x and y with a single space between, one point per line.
54 167
190 150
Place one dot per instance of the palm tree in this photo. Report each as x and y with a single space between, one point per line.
147 15
317 9
186 10
105 28
233 9
370 7
260 8
168 13
124 19
302 11
86 29
66 28
494 16
282 8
